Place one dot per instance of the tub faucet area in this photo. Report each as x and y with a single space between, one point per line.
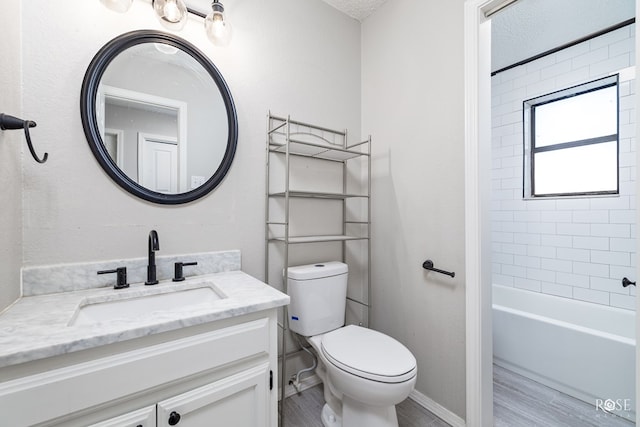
151 267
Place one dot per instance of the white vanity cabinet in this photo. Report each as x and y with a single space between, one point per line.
217 373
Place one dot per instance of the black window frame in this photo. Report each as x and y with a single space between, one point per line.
530 149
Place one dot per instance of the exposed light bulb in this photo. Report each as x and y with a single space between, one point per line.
117 5
171 13
217 27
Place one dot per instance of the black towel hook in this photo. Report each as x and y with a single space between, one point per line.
8 122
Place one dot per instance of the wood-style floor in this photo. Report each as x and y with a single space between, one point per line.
518 402
521 402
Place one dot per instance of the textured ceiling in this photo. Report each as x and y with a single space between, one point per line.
530 27
358 9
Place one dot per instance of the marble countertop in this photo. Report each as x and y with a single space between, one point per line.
37 327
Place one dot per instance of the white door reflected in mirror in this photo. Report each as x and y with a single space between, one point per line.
158 163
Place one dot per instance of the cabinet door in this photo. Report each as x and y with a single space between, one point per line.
240 400
145 417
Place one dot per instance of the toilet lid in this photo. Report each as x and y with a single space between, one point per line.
369 354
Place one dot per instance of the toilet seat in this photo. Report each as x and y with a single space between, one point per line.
369 354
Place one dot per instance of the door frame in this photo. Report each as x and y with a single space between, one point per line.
157 103
479 352
119 135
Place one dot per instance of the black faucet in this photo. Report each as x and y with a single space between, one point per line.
151 268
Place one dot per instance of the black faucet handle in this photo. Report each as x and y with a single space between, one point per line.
121 279
178 275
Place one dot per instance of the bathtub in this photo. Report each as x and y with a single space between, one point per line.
582 349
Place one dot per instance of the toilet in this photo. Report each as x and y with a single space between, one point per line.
365 372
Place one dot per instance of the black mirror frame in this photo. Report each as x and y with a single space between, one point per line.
90 84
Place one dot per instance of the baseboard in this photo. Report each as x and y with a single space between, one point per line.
305 383
438 410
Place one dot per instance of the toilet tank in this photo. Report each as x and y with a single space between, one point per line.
318 297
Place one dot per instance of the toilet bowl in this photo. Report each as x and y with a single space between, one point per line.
368 372
365 372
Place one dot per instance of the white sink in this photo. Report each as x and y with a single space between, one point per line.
136 307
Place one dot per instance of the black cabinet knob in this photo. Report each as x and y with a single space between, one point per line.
174 418
626 282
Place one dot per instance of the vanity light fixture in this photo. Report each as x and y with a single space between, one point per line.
172 14
217 26
118 5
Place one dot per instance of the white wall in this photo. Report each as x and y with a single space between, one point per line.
281 58
11 148
576 248
413 105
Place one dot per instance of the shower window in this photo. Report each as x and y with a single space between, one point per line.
571 141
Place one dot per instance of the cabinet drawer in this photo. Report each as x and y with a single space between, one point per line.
70 389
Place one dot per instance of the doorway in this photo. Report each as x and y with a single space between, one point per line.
478 232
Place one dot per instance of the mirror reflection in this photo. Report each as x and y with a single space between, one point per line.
162 118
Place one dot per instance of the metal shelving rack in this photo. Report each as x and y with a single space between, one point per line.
289 138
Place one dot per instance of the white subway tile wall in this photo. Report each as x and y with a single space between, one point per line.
578 248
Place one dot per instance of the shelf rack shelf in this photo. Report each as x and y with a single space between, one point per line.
290 139
301 148
316 239
317 195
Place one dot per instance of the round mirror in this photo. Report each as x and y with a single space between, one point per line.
159 117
